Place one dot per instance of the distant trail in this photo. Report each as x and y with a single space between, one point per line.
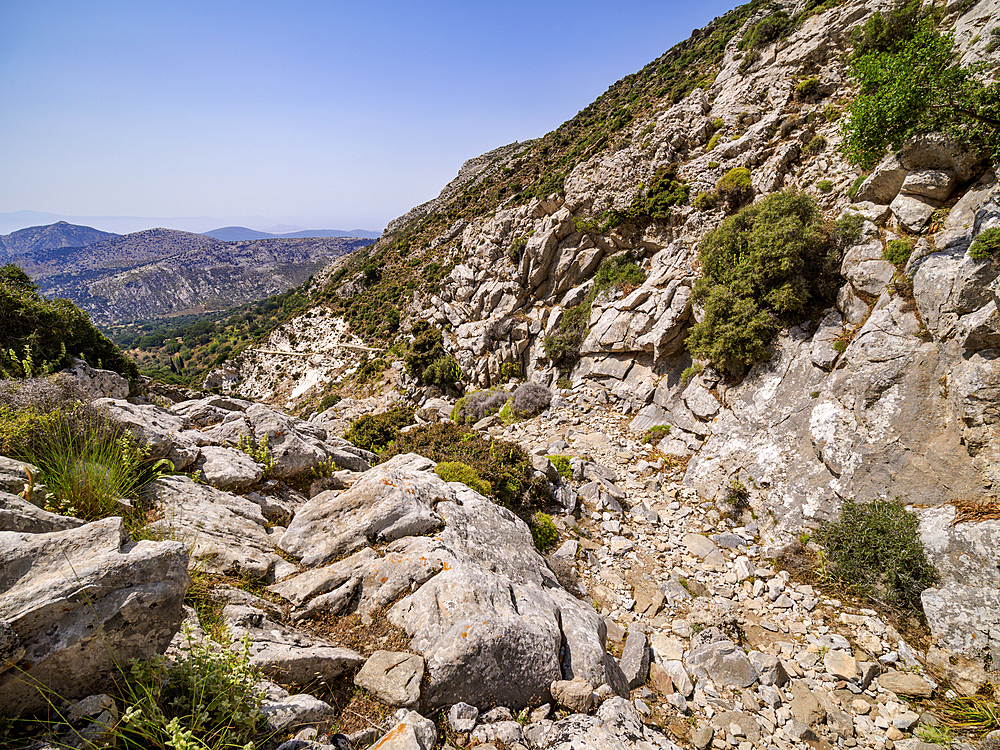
353 347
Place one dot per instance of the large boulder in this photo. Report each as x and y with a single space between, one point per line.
81 603
17 514
159 429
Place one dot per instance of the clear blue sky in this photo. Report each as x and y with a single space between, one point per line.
327 114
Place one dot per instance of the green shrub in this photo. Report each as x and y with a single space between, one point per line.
665 190
329 400
718 123
705 201
373 432
618 272
897 252
562 466
690 372
655 434
510 371
761 269
369 369
986 245
426 346
562 347
713 165
713 142
543 531
735 187
831 113
517 249
208 698
815 146
776 26
748 61
505 466
456 471
442 371
874 550
478 405
40 336
807 88
824 186
852 191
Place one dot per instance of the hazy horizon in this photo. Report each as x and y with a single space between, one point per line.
313 114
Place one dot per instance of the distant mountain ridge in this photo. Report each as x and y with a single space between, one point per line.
234 234
61 234
160 272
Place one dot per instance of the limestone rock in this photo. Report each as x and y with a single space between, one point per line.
162 431
724 663
576 696
132 607
635 659
394 678
228 468
906 683
412 732
17 514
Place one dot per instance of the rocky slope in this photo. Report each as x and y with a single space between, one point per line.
886 394
35 239
159 272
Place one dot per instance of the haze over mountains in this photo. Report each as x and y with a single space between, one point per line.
161 272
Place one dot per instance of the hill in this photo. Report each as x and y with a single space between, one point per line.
41 238
233 234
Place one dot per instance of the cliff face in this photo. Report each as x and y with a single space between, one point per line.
885 394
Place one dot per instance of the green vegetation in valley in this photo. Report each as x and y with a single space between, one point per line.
912 82
39 336
763 268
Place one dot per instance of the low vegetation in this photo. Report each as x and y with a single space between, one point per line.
734 187
543 531
457 471
761 269
986 245
40 336
655 434
562 465
374 432
874 550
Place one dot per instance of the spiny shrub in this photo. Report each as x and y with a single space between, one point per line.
543 531
504 465
824 186
705 201
563 345
40 336
760 269
815 146
442 371
986 245
374 432
457 471
426 346
874 549
530 399
776 26
734 187
618 272
562 465
665 190
478 405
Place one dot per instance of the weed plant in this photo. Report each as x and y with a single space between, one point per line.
562 465
655 434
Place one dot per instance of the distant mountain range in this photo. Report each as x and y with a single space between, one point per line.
232 234
16 220
162 272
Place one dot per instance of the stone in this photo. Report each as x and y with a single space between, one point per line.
912 212
635 659
935 184
841 665
699 545
226 532
411 732
680 678
228 468
882 185
462 717
806 706
287 654
724 663
17 514
906 683
393 677
161 430
701 737
503 733
81 602
294 711
94 383
576 696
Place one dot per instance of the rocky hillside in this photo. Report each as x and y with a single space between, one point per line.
38 239
161 272
882 388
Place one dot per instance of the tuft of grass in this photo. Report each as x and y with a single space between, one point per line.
975 713
656 434
986 245
824 186
874 551
935 735
897 252
562 466
543 531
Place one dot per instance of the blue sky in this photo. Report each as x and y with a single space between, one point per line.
322 114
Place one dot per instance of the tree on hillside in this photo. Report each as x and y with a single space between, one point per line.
912 82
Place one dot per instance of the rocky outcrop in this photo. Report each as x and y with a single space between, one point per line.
80 603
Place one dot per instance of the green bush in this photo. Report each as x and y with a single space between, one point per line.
510 371
517 249
911 82
426 346
562 466
329 400
478 405
761 269
986 245
689 372
618 272
874 550
665 190
505 466
373 432
824 186
543 531
897 252
40 336
655 434
852 191
807 88
815 146
442 371
456 471
713 142
734 187
705 201
713 165
776 26
563 345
